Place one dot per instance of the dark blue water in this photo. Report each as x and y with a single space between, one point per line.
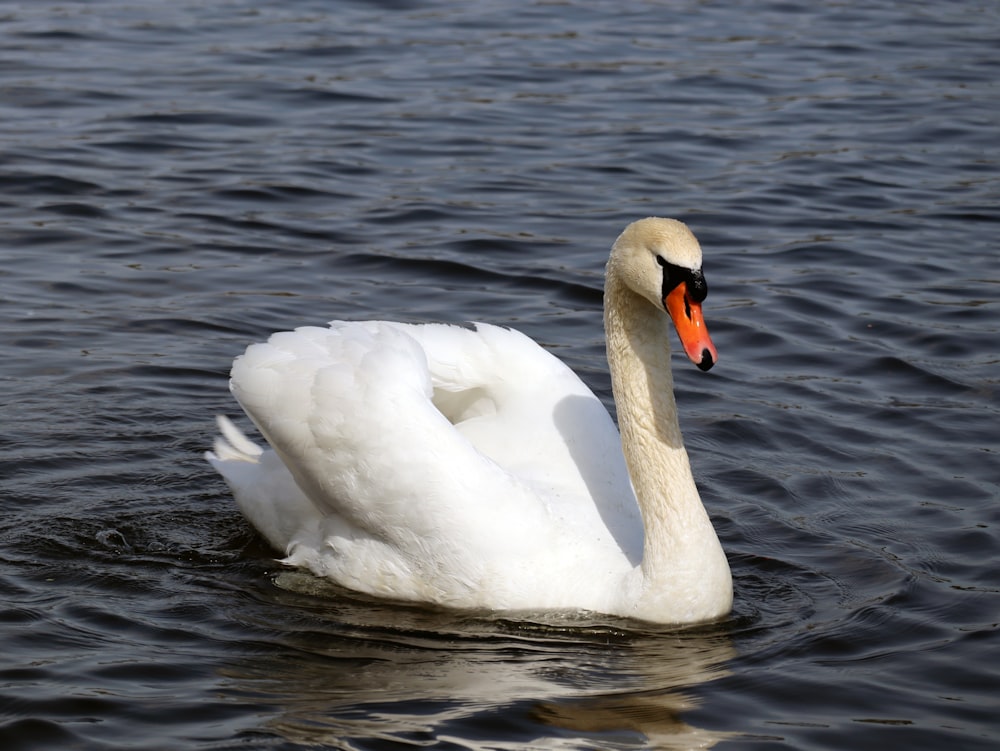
178 180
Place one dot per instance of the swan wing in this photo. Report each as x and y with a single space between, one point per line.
524 408
461 466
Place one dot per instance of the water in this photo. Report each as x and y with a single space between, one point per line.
180 179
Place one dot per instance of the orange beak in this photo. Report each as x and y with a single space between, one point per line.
690 325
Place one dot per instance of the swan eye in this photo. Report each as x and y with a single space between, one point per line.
673 275
697 286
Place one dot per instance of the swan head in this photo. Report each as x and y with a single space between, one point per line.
660 259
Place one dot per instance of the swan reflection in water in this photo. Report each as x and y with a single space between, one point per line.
346 672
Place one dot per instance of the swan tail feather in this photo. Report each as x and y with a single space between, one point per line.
232 445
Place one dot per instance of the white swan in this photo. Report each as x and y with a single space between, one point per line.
470 468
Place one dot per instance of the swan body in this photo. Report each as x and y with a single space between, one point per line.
468 467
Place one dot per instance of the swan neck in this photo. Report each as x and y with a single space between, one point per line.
638 345
682 557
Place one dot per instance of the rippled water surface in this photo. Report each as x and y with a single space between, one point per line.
178 180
